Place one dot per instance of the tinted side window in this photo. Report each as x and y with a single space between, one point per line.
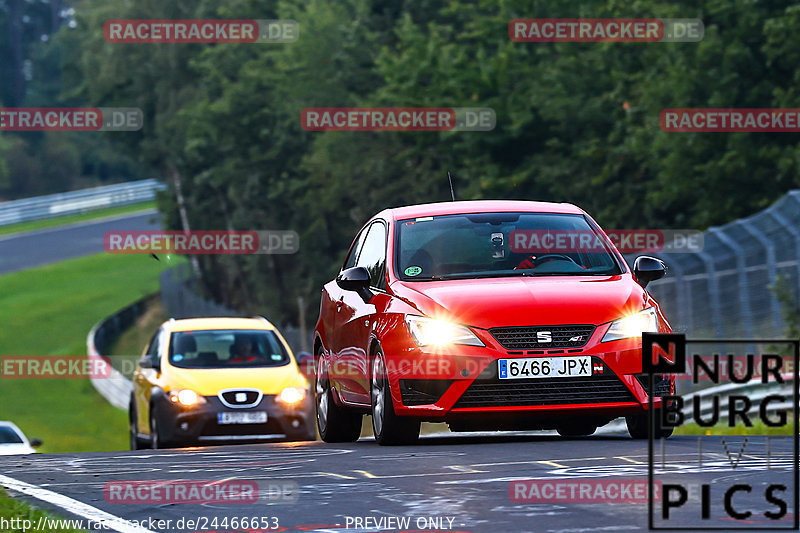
155 344
373 254
350 262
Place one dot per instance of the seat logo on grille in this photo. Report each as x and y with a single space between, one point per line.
544 336
241 397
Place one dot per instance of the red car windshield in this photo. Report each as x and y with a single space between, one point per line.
501 244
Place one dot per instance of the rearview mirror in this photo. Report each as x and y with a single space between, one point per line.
355 279
647 269
35 443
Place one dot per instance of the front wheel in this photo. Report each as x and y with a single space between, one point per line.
389 429
638 426
136 442
157 440
335 424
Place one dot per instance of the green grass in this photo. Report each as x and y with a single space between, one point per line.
758 428
70 219
133 340
49 311
10 508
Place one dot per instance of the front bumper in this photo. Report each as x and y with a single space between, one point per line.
461 383
199 424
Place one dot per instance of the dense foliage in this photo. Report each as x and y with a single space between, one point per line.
576 122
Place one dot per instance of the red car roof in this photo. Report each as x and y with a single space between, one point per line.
480 206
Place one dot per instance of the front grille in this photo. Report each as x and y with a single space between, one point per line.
240 397
536 337
488 391
423 391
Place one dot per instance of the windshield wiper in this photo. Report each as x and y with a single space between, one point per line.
475 275
507 274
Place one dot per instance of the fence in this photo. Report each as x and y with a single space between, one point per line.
53 205
180 299
724 290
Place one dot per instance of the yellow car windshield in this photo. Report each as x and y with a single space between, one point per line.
226 349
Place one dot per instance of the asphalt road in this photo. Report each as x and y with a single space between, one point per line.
41 247
445 483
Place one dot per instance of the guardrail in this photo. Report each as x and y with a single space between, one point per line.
112 384
67 203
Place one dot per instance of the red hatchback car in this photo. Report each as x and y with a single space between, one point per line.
487 315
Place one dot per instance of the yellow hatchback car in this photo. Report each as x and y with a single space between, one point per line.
205 380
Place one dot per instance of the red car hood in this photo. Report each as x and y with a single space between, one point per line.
487 303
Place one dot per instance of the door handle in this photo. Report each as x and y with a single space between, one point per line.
339 304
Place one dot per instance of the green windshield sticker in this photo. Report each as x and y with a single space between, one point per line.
413 271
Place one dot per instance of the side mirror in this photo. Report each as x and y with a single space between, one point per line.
306 363
146 362
35 443
355 279
647 269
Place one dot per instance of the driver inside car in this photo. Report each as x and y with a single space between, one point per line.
533 258
242 351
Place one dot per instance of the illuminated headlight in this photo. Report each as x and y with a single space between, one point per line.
186 397
291 395
430 332
633 325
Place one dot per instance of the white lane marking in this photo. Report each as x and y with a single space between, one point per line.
75 507
634 461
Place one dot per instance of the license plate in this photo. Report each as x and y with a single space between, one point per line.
257 417
545 367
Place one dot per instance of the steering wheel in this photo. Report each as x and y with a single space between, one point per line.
534 260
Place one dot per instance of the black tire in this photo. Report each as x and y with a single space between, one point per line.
157 442
389 429
577 429
638 426
135 442
335 424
